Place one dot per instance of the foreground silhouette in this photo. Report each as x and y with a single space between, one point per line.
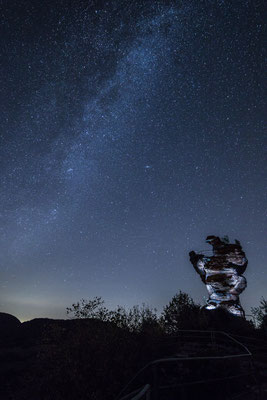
89 358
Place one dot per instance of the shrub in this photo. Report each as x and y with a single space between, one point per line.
260 314
180 313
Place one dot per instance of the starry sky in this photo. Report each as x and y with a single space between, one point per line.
130 130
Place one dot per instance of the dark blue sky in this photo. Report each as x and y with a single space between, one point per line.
129 132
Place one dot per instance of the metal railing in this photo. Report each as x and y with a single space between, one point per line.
152 389
139 394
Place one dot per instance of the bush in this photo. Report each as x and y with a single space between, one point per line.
180 313
89 309
260 314
137 319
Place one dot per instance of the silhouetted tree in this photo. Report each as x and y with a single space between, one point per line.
136 319
260 314
180 313
89 309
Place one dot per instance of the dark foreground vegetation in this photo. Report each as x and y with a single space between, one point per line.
95 354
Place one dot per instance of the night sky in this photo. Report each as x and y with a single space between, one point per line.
130 130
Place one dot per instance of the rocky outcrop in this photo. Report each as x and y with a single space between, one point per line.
222 274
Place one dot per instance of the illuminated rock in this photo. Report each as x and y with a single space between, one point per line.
222 274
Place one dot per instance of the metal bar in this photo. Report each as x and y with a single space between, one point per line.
176 359
204 381
173 359
148 393
155 388
145 390
218 332
128 396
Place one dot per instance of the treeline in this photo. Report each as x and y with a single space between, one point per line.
93 354
180 314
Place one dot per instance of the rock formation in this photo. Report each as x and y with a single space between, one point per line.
222 274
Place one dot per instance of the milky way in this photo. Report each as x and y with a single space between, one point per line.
129 132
